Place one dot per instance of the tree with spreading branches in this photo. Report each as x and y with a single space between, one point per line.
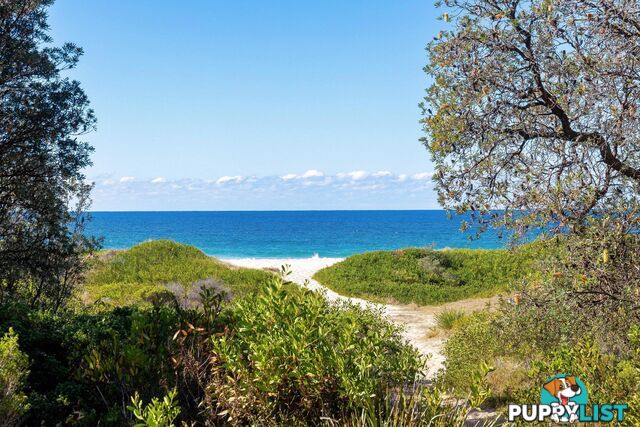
532 117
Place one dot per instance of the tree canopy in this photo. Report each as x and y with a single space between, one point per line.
43 192
532 117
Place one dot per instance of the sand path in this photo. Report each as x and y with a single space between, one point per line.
417 321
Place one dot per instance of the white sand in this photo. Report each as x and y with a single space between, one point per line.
416 321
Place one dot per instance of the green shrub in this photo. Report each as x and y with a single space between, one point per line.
545 332
278 355
136 359
609 378
14 366
86 365
295 358
472 345
425 276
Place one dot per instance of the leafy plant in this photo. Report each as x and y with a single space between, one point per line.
468 350
294 358
14 366
157 413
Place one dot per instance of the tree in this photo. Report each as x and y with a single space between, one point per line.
43 193
532 118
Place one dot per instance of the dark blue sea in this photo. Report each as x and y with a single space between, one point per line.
288 234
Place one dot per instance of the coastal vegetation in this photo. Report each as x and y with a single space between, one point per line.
160 266
559 324
271 356
159 334
427 276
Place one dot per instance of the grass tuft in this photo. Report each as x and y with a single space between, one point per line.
449 319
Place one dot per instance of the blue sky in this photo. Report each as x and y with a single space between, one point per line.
212 105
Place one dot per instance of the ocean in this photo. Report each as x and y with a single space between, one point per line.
288 234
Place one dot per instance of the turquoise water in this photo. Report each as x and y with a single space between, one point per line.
291 234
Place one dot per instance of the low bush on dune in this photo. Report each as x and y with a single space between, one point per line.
426 276
133 275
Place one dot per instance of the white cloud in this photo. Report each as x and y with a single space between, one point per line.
310 189
422 175
225 179
310 177
355 175
312 173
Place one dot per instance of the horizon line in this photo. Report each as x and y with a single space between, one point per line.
269 210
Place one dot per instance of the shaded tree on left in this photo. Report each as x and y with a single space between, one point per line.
44 195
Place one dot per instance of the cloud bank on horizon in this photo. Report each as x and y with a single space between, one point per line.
312 189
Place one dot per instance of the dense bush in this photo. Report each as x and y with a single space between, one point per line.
293 358
84 365
273 355
425 276
472 345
